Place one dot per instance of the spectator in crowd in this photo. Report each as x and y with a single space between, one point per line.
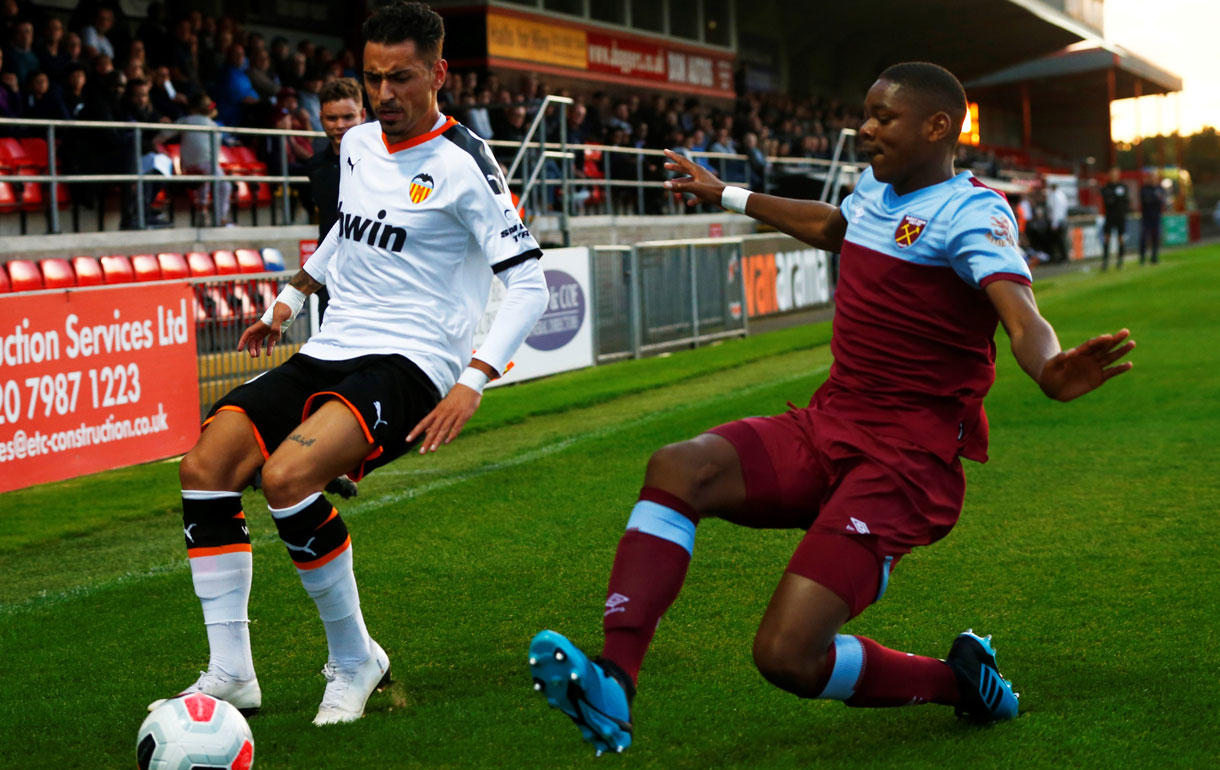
293 73
1117 203
94 36
42 99
309 97
165 98
289 116
756 162
20 57
154 34
1152 205
74 90
137 108
53 57
235 95
101 65
135 55
513 130
10 98
1057 209
476 114
281 58
198 158
184 59
262 76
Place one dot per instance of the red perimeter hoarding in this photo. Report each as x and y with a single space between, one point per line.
93 379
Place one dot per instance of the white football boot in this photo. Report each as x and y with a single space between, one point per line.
348 689
242 693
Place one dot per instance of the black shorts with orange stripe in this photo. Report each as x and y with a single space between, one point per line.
388 394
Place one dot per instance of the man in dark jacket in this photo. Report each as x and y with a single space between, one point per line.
1152 204
1117 202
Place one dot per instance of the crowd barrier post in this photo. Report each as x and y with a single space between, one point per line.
51 162
135 150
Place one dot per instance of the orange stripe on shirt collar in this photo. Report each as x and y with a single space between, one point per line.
409 143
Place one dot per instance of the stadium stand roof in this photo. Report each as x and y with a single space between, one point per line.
1084 66
970 37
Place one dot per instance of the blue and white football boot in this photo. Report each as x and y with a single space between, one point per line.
986 696
595 694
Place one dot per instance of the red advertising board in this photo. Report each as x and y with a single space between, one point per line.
92 379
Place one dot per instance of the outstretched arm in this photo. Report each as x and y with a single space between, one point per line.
816 223
1062 374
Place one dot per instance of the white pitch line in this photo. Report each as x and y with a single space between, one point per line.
47 598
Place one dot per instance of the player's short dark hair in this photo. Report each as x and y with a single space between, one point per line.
937 87
398 22
340 89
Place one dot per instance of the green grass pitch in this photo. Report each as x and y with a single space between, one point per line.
1087 547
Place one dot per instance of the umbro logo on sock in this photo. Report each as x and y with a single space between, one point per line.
615 604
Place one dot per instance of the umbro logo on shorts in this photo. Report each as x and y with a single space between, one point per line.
857 526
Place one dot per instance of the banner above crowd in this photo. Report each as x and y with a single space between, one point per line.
568 48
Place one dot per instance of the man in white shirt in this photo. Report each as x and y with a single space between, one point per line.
425 220
94 36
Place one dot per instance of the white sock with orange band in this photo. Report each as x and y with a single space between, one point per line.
321 549
218 548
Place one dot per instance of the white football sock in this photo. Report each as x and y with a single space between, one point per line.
222 583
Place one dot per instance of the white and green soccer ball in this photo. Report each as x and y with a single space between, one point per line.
194 731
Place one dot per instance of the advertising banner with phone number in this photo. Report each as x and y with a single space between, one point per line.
93 379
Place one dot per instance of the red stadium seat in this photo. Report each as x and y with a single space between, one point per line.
226 263
250 163
242 197
146 267
173 266
212 305
243 302
88 271
201 264
229 163
24 275
8 199
5 286
117 269
249 260
14 157
57 274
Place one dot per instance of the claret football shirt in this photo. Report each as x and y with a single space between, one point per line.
913 343
423 225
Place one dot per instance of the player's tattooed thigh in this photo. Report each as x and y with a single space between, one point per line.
305 282
297 437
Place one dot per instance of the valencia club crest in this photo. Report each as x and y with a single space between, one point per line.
909 230
421 187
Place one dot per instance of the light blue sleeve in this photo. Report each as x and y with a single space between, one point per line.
983 242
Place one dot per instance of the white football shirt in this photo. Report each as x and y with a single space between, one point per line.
422 226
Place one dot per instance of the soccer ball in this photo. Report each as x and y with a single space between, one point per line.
195 731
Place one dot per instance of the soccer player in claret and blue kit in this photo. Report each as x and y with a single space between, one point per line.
872 467
425 221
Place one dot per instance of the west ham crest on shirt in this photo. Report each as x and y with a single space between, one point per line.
421 187
909 230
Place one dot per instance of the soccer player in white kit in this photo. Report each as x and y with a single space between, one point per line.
425 221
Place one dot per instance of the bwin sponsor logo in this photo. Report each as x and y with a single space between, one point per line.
383 235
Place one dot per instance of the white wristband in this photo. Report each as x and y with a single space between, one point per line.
290 296
734 198
474 379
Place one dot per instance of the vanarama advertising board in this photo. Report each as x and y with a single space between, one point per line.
783 274
92 379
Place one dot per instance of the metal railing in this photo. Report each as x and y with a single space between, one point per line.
539 168
53 178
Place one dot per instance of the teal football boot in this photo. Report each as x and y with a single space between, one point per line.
595 694
986 696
